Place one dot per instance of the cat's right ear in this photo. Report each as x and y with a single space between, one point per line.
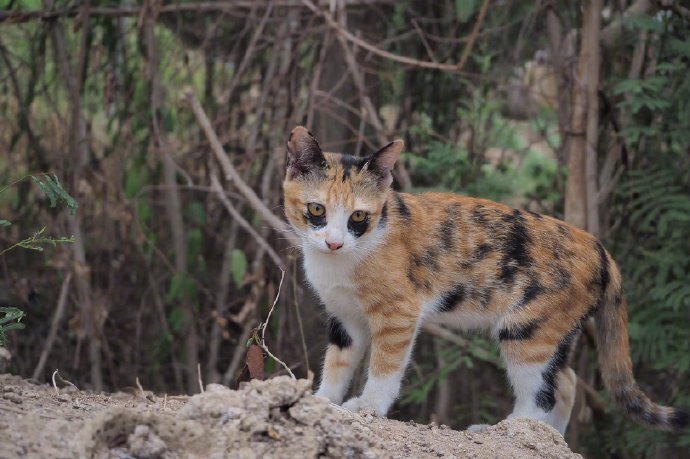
304 154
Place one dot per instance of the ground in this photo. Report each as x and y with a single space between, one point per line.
278 418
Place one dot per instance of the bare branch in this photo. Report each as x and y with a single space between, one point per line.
473 36
59 312
455 68
19 16
229 170
215 185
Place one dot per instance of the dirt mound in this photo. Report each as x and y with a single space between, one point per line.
277 418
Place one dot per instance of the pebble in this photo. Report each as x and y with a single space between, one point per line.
12 397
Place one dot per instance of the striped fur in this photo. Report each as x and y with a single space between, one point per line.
530 280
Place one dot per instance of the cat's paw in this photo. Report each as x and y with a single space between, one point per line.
357 404
328 393
476 428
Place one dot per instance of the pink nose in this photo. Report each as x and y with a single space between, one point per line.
334 245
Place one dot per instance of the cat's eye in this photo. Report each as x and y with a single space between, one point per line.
358 216
316 210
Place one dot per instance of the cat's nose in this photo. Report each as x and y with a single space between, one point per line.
334 245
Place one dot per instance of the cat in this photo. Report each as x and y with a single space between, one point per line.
383 262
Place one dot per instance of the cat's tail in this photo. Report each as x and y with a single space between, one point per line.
616 367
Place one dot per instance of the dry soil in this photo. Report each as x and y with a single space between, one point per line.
278 418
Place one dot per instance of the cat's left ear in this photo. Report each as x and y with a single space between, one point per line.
382 162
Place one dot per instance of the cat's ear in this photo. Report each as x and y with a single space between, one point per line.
303 153
382 162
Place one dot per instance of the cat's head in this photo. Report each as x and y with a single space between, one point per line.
336 202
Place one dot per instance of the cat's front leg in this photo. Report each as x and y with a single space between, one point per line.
347 340
392 339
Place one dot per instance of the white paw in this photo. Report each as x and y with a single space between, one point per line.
330 395
476 428
357 404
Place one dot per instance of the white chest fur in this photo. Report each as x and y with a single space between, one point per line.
332 278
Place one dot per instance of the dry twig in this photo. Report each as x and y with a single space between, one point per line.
229 170
263 326
57 317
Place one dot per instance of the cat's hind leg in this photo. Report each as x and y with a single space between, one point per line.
544 388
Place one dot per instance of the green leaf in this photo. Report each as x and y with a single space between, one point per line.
465 8
195 211
176 319
137 176
239 266
51 187
11 320
5 223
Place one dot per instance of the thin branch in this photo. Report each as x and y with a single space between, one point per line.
612 33
268 317
198 373
216 186
473 36
237 356
455 68
229 170
57 317
19 16
264 325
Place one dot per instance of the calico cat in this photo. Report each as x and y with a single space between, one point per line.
384 262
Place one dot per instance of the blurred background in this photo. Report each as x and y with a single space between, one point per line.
577 109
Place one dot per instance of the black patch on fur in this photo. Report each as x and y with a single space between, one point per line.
679 420
564 230
482 295
314 221
516 250
358 228
482 251
546 397
349 162
520 332
448 234
603 279
479 216
384 215
636 405
534 214
428 259
533 290
563 278
413 279
452 298
403 210
337 334
618 298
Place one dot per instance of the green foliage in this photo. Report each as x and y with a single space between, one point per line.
11 320
50 185
651 215
522 172
239 266
38 240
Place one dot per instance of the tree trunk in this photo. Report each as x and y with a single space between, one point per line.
581 204
173 207
91 317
